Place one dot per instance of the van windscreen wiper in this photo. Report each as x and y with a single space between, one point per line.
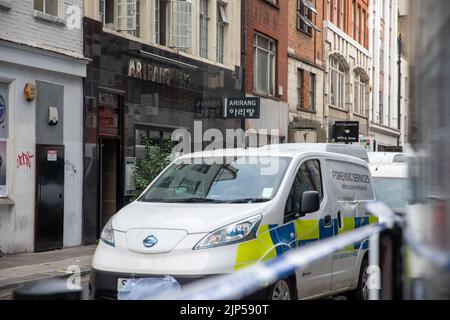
249 200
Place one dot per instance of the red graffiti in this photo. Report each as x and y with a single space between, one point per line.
24 160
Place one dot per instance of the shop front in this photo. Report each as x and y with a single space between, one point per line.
136 92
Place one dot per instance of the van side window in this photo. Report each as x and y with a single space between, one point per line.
308 178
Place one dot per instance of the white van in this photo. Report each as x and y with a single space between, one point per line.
213 213
392 185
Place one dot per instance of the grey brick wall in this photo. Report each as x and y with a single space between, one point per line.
20 24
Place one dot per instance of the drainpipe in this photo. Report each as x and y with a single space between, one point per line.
244 52
399 98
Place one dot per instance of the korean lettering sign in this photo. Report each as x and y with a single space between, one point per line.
242 108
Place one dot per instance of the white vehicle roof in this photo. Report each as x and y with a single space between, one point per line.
387 157
288 150
390 170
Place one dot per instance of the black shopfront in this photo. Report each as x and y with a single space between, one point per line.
135 91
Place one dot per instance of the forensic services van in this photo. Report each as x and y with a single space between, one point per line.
217 212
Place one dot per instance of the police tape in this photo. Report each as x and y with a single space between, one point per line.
436 257
252 279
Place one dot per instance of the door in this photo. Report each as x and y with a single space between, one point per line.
316 278
49 223
109 179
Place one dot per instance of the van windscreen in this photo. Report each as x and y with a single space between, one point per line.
210 180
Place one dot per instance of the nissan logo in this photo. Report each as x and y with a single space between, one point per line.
150 241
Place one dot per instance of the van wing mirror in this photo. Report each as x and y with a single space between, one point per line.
310 202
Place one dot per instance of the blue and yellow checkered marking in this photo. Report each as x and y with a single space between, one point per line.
273 240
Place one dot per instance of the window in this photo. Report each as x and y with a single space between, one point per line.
222 21
381 58
358 26
381 108
173 23
352 27
204 28
359 94
158 21
127 16
341 14
304 16
308 178
106 11
181 24
312 92
264 65
337 83
47 6
300 74
363 24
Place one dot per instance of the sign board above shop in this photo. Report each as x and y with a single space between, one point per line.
346 131
242 108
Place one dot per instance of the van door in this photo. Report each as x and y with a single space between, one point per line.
349 184
316 278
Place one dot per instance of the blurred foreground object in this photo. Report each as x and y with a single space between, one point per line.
428 217
48 289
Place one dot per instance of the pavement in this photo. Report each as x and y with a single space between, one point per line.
21 268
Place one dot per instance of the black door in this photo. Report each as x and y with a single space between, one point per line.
49 197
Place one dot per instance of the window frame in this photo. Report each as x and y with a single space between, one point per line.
203 28
359 86
340 85
303 12
44 7
271 67
312 92
291 216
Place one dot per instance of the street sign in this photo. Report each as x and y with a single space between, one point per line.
346 131
242 108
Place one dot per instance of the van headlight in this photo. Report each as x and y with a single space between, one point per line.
107 235
237 232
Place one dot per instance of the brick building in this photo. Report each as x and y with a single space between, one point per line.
348 63
305 71
266 43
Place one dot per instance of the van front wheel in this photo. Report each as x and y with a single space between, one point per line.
280 290
362 290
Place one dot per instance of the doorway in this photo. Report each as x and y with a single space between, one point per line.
109 179
49 223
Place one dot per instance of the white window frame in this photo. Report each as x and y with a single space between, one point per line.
102 10
337 68
180 31
359 94
203 28
271 76
127 12
44 7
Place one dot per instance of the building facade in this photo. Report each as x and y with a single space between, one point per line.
41 109
384 51
306 72
348 64
168 70
266 69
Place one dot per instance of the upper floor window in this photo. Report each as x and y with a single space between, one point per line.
359 93
222 21
264 65
47 6
305 10
352 26
204 28
337 83
341 14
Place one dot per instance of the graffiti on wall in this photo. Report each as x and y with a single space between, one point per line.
71 169
24 160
